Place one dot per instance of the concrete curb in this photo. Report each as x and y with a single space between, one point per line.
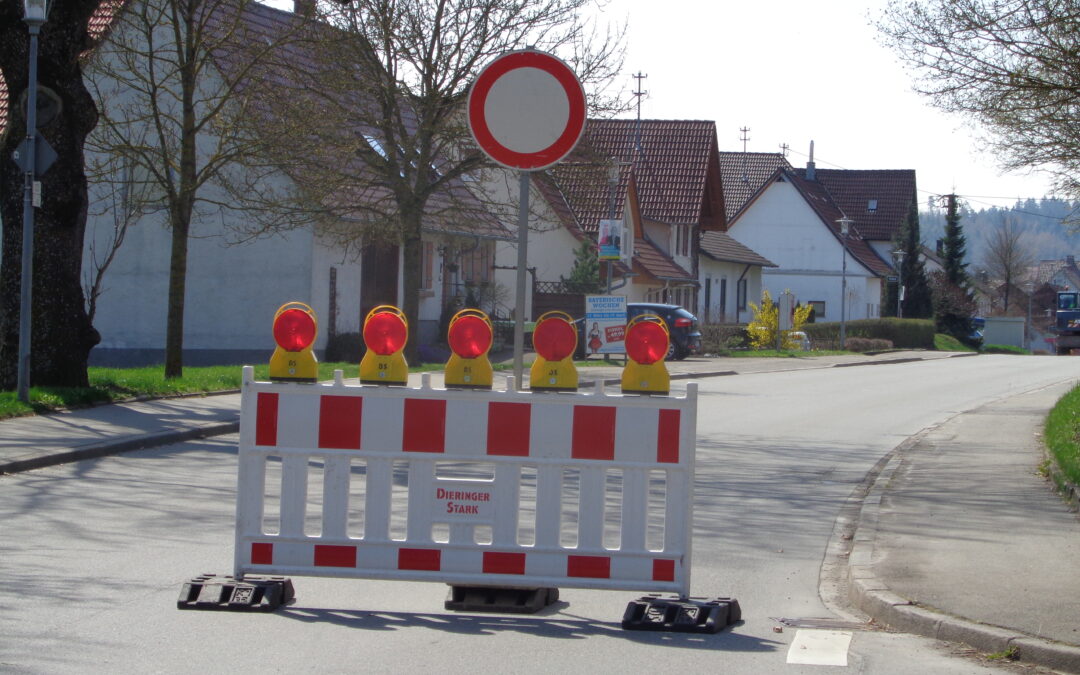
121 445
868 593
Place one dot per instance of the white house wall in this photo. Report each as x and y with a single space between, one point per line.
710 274
782 227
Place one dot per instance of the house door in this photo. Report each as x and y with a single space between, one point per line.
378 277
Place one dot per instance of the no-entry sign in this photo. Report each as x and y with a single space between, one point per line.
527 110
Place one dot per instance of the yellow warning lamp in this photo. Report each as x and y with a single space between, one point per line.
295 329
385 334
646 343
554 339
470 335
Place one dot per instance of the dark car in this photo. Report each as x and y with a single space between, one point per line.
681 324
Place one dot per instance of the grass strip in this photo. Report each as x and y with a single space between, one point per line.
110 385
1062 435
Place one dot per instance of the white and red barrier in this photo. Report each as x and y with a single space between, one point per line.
466 487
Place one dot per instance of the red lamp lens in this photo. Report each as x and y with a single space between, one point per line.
470 337
294 330
554 339
384 333
646 342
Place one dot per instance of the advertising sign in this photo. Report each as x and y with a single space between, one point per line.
610 239
605 324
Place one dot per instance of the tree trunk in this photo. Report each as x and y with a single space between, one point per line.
411 266
174 328
61 333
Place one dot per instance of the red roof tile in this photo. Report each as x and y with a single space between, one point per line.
652 261
878 200
743 173
720 246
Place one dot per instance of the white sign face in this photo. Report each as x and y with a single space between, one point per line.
517 94
526 110
605 324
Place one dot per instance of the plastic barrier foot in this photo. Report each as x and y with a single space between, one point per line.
694 615
251 594
500 599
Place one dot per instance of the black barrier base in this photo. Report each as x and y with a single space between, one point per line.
251 594
694 615
499 599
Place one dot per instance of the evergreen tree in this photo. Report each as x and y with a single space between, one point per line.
917 302
585 274
955 247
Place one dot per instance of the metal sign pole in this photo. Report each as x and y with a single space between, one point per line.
522 262
27 274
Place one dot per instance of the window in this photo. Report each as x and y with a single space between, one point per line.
871 206
819 310
740 294
476 265
723 300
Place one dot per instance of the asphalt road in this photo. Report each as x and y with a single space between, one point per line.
93 553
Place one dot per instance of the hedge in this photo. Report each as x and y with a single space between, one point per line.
902 333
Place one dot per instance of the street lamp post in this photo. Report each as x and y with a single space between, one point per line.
35 13
845 225
899 255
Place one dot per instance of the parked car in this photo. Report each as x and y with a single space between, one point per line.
682 327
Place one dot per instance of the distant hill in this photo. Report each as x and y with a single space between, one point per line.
1041 220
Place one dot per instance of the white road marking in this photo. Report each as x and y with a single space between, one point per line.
819 648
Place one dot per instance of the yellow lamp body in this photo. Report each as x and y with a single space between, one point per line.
551 374
639 378
389 369
646 378
469 372
384 368
295 365
547 375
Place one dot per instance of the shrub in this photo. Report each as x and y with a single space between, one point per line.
723 338
902 333
766 323
860 344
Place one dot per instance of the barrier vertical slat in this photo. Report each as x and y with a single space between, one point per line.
250 476
548 505
294 469
421 491
688 450
635 504
377 495
591 507
335 496
507 504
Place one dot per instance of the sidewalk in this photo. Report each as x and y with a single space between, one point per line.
955 525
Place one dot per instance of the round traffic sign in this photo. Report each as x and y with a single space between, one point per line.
527 110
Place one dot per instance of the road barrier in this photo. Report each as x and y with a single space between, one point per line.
584 490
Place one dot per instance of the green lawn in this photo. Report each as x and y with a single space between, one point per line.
119 384
1063 435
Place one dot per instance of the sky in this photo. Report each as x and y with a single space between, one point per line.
794 71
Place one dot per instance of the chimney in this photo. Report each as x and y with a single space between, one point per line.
810 173
304 7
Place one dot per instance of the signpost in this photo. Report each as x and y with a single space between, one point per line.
526 112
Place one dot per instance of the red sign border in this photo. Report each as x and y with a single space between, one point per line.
575 125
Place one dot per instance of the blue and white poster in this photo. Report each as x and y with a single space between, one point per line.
605 324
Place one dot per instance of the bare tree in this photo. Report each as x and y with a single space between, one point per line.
175 119
379 111
1007 256
1010 66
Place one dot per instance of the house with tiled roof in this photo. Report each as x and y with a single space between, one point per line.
235 283
661 180
794 218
